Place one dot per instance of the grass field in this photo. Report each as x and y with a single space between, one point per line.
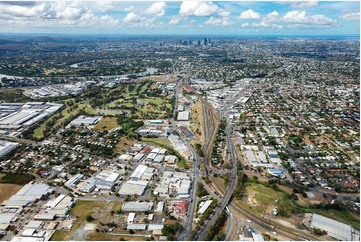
262 199
221 183
17 178
107 123
81 210
13 95
123 144
7 190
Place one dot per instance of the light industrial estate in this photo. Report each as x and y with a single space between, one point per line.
180 138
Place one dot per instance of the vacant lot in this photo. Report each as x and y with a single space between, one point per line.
7 190
107 123
17 178
123 144
81 210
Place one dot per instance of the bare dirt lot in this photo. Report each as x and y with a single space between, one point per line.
7 190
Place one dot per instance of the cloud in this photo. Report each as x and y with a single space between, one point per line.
130 8
218 21
300 17
245 25
174 20
249 14
157 8
195 8
223 13
132 18
264 24
351 16
308 4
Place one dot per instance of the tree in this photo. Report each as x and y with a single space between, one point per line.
89 218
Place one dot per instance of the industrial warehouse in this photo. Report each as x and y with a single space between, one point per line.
18 116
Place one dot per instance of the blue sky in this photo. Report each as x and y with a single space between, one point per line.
182 17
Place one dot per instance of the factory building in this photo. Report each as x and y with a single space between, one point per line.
183 116
27 195
86 121
6 147
137 206
335 229
106 179
72 182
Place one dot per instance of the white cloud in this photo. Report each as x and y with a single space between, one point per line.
223 13
351 16
264 24
174 21
308 4
50 14
195 8
273 15
157 8
245 25
300 17
249 14
132 18
218 21
130 8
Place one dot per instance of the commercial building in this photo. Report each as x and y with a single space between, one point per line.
6 147
86 121
183 116
72 182
14 116
132 189
203 206
137 206
335 229
138 172
106 179
27 195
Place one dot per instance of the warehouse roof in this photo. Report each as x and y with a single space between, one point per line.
131 189
6 218
136 226
137 206
152 227
183 116
333 228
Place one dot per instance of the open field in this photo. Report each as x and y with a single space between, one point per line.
13 95
123 144
81 210
17 178
261 199
107 123
7 190
198 128
221 183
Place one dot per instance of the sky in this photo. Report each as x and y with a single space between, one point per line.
182 17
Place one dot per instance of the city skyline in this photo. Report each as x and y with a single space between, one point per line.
313 18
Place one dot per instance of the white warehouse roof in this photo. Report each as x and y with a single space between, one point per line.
137 206
333 228
183 116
